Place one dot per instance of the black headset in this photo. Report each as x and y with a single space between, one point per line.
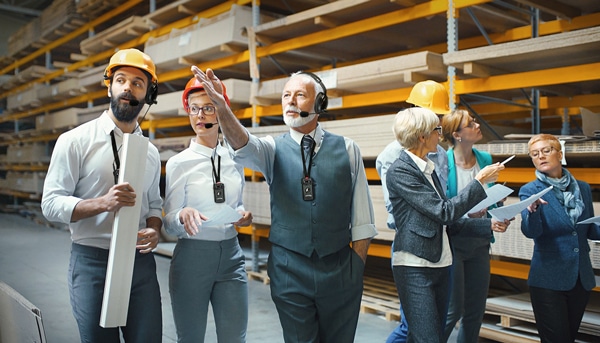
321 98
151 92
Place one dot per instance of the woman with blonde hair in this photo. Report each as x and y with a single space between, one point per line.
561 274
425 218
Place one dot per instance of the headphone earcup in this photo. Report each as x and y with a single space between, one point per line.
152 94
320 103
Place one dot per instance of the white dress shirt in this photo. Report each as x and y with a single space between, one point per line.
81 168
259 154
189 183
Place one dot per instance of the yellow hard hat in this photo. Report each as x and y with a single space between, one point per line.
430 95
130 58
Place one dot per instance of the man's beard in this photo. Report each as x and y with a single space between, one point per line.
296 121
124 112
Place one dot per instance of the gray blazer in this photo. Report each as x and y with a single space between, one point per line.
420 212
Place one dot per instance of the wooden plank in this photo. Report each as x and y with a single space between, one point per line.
559 50
117 288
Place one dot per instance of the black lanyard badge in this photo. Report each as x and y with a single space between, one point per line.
218 186
307 147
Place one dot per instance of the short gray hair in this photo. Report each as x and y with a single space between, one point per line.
412 123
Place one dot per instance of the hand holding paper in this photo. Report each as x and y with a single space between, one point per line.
494 194
510 211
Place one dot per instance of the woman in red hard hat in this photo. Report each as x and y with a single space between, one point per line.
203 183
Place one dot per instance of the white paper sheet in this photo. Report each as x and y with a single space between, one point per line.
590 220
510 211
494 194
226 215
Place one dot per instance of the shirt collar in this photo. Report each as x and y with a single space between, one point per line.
107 125
203 149
426 167
317 134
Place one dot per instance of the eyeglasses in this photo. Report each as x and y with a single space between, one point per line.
543 151
471 125
206 110
438 129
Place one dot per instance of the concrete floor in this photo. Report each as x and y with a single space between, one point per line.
34 260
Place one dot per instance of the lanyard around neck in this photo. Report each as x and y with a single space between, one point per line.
117 161
216 171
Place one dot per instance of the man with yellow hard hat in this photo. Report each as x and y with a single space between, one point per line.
82 191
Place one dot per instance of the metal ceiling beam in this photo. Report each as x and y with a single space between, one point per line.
553 7
20 10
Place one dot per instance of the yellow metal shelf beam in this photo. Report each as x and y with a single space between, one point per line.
426 9
68 37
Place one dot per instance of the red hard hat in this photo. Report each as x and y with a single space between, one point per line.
194 85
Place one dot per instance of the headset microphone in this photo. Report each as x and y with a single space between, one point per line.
209 125
304 114
134 102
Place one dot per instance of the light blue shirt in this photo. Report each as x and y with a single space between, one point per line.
189 183
82 168
259 154
390 154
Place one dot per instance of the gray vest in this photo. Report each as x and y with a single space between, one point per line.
323 224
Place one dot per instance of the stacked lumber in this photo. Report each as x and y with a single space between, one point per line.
55 21
209 39
29 74
169 104
24 37
177 10
389 73
510 319
92 9
124 31
68 118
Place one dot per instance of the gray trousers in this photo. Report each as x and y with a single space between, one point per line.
317 298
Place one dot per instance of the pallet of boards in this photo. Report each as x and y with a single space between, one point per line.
92 9
388 73
28 74
27 153
510 319
177 10
124 31
207 40
169 104
371 134
60 91
559 50
68 118
28 182
59 17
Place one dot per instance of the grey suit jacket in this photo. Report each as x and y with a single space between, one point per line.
420 212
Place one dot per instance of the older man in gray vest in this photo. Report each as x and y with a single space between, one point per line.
322 217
